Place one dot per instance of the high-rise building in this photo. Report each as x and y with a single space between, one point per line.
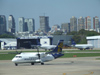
99 24
29 25
65 27
87 23
11 24
73 24
55 28
44 23
21 24
80 23
95 23
26 24
3 24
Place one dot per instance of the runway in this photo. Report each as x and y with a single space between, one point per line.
60 66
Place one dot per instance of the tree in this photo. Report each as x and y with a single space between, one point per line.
72 33
58 33
92 33
7 36
76 38
82 32
80 36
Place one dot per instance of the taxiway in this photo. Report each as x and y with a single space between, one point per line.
60 66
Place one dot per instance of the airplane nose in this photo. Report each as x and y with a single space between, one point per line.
14 60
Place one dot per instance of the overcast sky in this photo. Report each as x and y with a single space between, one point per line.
59 11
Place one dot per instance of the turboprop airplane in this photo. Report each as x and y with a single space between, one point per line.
82 46
39 57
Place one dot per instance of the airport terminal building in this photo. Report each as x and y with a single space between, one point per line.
94 40
8 43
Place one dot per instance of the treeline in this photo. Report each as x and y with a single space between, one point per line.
7 35
80 36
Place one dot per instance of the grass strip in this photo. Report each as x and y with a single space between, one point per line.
97 58
6 56
66 55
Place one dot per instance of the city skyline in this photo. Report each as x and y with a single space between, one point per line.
59 11
75 24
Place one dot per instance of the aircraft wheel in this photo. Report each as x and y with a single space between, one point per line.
42 63
16 64
32 63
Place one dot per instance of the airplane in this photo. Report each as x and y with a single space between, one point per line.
44 45
39 57
48 47
81 46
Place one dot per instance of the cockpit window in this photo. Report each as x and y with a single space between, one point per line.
18 56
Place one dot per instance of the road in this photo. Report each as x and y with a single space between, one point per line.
60 66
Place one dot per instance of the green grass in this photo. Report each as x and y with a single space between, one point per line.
83 50
97 58
6 56
13 51
66 55
8 52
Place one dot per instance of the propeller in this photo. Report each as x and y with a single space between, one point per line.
38 47
38 52
16 52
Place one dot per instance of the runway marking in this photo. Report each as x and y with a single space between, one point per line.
64 73
90 73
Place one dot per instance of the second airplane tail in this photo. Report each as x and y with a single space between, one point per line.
73 42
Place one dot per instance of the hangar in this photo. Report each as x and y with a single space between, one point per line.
30 42
66 39
94 40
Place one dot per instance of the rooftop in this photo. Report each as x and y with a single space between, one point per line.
93 37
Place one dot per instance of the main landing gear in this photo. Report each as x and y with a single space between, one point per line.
16 64
42 63
32 63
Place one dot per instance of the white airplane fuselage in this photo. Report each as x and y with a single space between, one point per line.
32 58
48 46
84 46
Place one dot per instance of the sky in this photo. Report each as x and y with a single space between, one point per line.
58 11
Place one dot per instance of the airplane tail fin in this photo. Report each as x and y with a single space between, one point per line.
73 42
57 52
